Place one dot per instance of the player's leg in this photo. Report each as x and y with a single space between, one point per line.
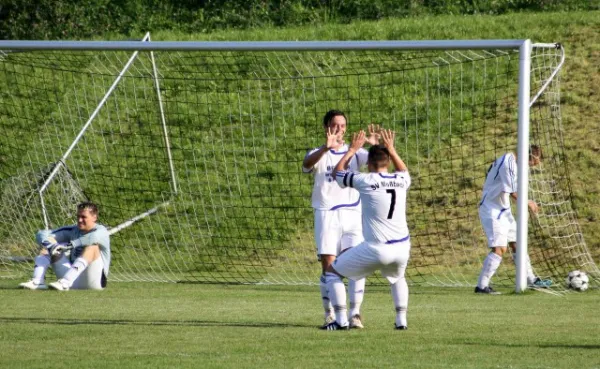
400 298
326 261
92 278
496 231
533 281
354 263
37 281
352 237
42 263
327 238
89 254
394 272
337 296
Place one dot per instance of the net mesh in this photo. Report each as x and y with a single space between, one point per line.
195 157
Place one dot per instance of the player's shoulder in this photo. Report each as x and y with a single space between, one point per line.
101 228
367 177
65 228
363 151
339 151
506 157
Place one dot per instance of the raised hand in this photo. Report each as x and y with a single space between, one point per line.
334 138
358 140
388 136
374 134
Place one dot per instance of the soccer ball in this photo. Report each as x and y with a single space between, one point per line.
578 281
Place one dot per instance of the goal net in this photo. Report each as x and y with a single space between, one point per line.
194 157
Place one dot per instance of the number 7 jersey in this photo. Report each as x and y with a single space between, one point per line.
383 199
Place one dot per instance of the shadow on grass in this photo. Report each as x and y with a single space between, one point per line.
182 323
538 345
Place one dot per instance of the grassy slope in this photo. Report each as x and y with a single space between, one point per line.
579 32
190 326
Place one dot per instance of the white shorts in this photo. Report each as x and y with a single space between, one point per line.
337 230
364 259
499 226
92 278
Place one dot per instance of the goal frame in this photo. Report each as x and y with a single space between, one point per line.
524 46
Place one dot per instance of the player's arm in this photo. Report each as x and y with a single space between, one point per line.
530 203
54 241
509 177
388 137
59 235
313 158
358 140
98 237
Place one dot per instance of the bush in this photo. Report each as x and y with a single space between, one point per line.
77 19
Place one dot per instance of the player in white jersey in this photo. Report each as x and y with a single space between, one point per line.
88 263
387 242
337 224
497 219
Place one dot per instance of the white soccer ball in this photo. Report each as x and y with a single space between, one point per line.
578 281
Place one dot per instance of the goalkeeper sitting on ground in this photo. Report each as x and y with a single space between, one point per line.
87 265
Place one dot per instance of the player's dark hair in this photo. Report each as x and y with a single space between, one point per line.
379 156
90 206
332 114
535 150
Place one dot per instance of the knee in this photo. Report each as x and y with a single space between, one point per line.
332 276
90 253
499 251
42 260
41 236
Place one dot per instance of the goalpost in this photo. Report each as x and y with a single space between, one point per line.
193 151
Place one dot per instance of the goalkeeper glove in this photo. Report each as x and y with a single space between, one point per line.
59 248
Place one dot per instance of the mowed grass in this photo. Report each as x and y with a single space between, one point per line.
218 326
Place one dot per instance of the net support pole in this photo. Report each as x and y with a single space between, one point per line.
163 120
523 166
83 130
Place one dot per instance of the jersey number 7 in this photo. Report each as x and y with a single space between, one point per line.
392 203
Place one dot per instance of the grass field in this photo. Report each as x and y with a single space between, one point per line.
210 326
154 325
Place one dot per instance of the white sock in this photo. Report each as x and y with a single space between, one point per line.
400 297
337 295
530 276
356 292
490 265
76 269
327 308
42 262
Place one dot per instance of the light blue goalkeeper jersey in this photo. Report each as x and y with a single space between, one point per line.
71 234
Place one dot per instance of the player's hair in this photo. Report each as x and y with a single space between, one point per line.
379 156
536 150
89 206
332 114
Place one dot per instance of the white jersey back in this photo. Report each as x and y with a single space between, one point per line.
500 182
383 197
327 195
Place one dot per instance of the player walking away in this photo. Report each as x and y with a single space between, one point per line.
337 224
89 259
387 242
497 219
